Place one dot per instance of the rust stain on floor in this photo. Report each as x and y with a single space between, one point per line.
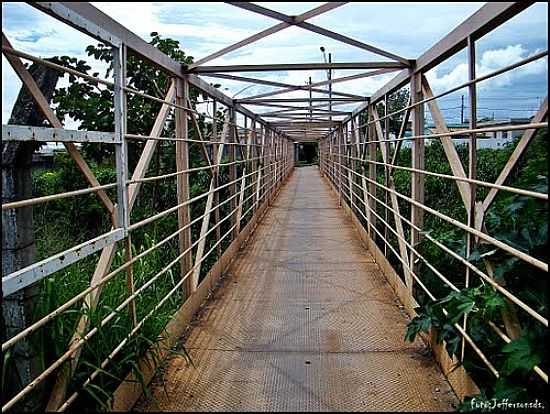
303 321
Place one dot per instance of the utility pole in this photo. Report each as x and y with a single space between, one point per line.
310 97
330 87
462 110
329 77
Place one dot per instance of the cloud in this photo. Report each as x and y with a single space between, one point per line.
491 60
203 28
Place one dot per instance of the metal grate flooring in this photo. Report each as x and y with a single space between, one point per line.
303 321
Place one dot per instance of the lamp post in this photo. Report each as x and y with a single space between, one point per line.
329 76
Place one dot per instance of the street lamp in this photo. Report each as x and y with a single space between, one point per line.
329 76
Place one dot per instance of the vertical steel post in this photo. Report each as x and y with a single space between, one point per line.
418 162
330 87
215 150
386 175
371 136
472 161
232 149
121 159
182 182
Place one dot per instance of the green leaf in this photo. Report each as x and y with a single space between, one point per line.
520 355
419 323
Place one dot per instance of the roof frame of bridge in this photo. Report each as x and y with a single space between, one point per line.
90 20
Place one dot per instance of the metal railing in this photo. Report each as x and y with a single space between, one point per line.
351 154
257 159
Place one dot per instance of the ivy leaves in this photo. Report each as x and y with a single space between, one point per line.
432 315
522 354
516 359
480 303
420 323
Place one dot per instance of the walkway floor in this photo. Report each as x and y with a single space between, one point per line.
304 321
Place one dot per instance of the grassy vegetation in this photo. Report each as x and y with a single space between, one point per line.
516 220
56 231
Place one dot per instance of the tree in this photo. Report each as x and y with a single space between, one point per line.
91 104
396 102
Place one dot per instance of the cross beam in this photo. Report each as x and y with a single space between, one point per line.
291 20
296 66
264 33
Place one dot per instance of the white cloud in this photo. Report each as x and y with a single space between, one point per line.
203 28
491 60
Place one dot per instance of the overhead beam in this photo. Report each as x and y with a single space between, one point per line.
319 30
89 20
269 31
322 83
294 88
318 124
318 111
254 101
296 66
300 115
275 105
280 84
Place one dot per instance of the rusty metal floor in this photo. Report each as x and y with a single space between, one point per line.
304 321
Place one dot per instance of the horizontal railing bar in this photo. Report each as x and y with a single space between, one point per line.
44 134
420 256
121 345
513 251
52 65
53 197
103 281
22 278
183 108
489 280
78 344
436 242
520 127
520 191
185 203
190 170
148 137
104 82
462 332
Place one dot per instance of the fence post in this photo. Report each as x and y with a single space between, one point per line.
386 149
18 240
232 149
215 149
371 136
417 162
121 160
472 161
182 163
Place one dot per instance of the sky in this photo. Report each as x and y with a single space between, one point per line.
406 29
